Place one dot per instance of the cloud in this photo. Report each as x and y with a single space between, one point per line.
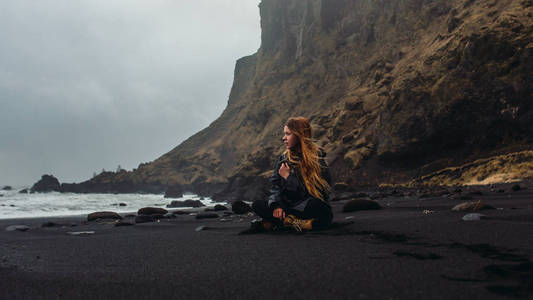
86 85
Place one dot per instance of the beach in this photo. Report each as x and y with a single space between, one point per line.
413 248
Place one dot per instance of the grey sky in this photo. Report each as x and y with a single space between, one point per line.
91 84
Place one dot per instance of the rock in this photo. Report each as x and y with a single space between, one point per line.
207 215
472 206
122 204
24 191
174 191
219 207
152 211
124 223
240 207
103 215
7 188
48 183
186 203
516 187
17 228
360 204
474 217
2 195
169 216
200 228
340 186
144 219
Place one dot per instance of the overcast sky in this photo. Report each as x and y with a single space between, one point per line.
91 84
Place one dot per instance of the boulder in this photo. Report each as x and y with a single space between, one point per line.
7 188
219 207
360 204
207 215
122 204
152 211
48 183
103 215
472 206
24 191
186 203
240 207
174 191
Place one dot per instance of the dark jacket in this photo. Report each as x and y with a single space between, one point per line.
291 192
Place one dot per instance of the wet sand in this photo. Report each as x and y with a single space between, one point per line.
399 252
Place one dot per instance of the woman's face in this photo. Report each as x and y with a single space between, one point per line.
289 139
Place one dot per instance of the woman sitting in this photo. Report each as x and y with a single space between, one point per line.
300 183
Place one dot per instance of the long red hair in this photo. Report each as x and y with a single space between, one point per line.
305 155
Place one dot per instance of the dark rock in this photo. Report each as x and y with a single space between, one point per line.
124 223
186 203
17 228
7 188
207 215
103 215
516 187
144 219
24 191
122 204
50 224
240 207
12 205
2 195
219 207
360 204
48 183
174 191
152 211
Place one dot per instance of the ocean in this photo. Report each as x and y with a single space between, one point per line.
16 205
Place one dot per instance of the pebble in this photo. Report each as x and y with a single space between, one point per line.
474 217
17 228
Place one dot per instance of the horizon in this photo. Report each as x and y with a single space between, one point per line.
93 85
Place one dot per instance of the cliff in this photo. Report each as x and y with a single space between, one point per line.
395 90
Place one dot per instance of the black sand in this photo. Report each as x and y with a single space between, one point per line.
399 252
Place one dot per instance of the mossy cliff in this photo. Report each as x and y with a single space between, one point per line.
395 90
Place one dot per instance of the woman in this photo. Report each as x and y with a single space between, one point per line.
300 183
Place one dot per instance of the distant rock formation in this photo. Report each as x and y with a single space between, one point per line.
7 188
48 183
395 90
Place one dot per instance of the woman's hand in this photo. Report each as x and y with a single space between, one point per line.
279 213
284 170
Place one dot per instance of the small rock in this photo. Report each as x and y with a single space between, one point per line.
219 207
240 207
122 204
349 217
472 206
360 204
169 216
474 217
80 232
123 223
103 215
17 228
152 211
200 228
7 188
516 187
144 219
24 191
207 215
186 203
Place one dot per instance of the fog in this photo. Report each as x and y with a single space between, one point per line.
88 85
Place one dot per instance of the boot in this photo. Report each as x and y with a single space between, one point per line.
297 223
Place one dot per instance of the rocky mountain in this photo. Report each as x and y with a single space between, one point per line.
395 90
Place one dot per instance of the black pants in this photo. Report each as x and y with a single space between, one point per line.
315 209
